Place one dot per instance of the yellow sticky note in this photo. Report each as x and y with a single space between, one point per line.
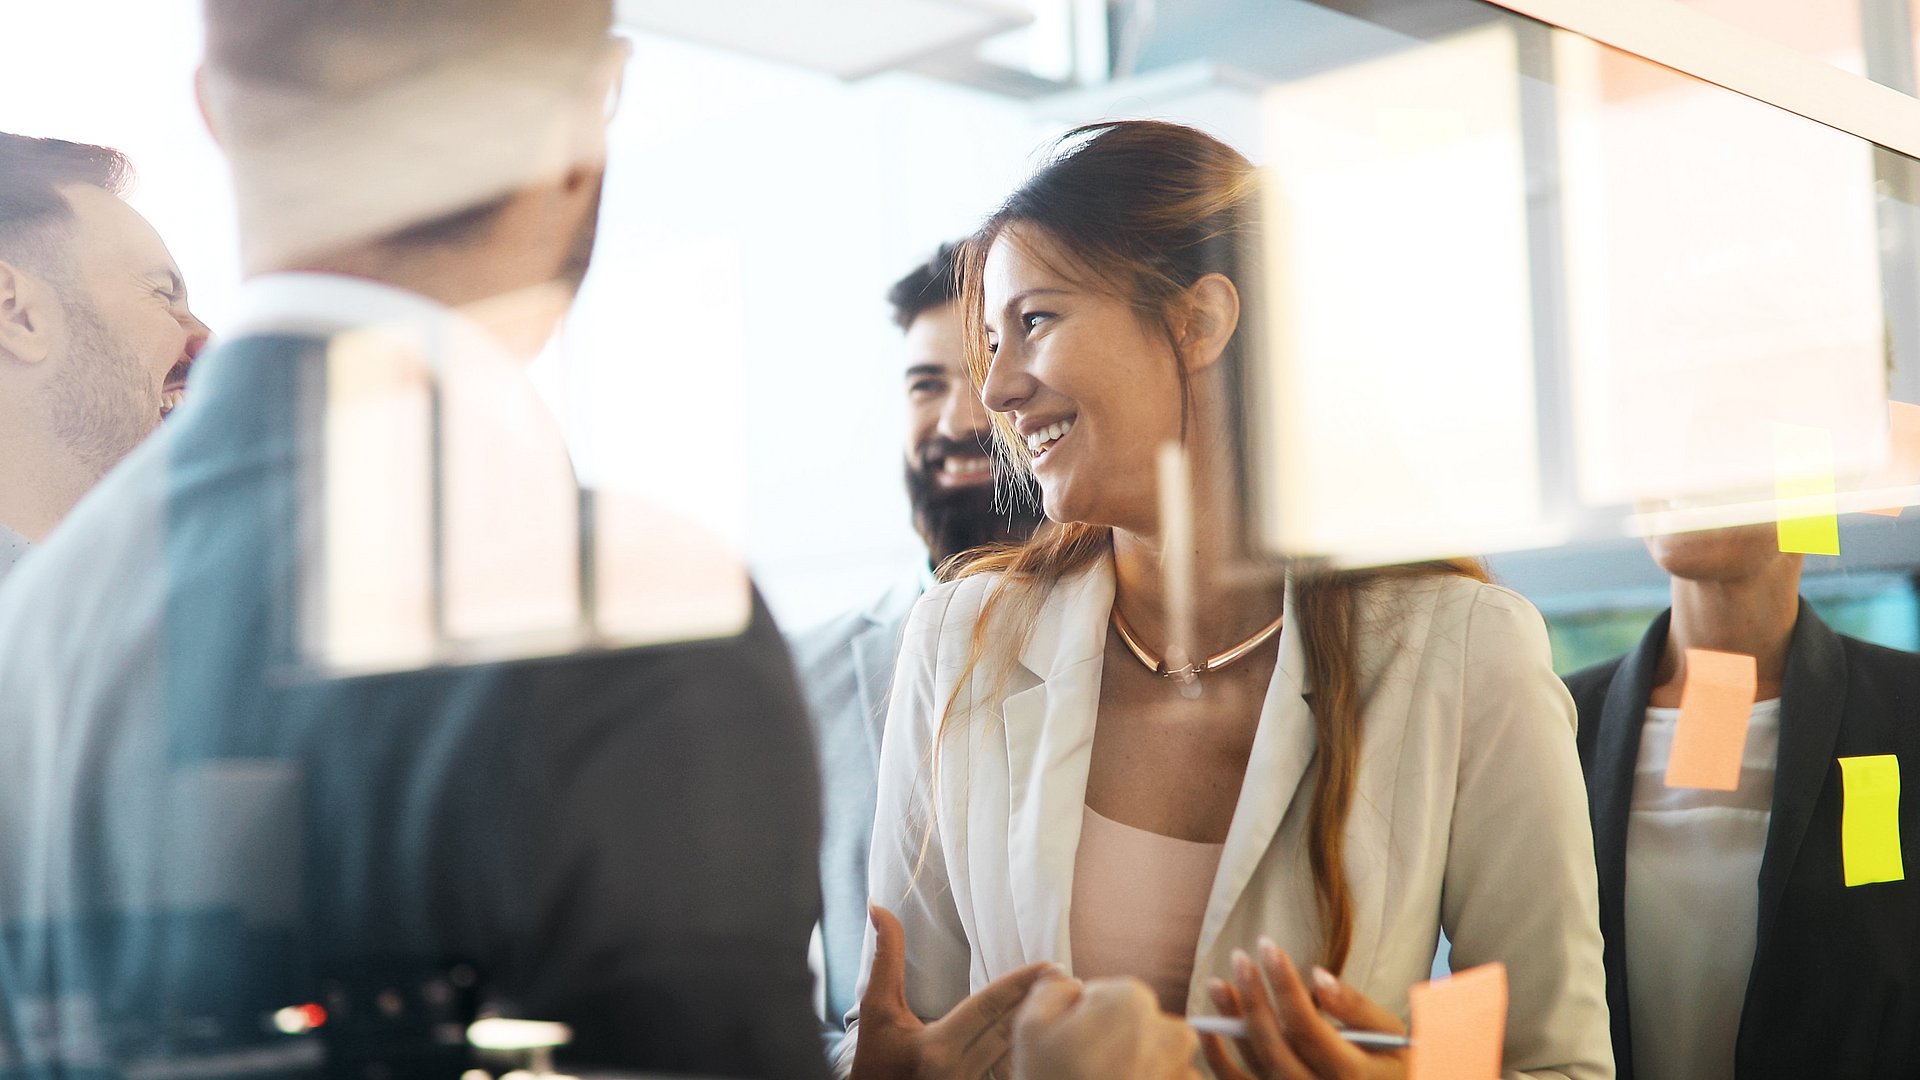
1903 453
1716 705
1870 819
1803 488
1459 1025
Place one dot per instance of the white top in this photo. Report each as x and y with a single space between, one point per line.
1469 811
1693 901
1138 900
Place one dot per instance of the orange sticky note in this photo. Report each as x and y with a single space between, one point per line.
1715 706
1903 454
1459 1025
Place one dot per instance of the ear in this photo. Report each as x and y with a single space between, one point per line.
1211 317
27 325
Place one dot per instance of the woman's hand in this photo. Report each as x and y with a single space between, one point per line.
1287 1037
972 1042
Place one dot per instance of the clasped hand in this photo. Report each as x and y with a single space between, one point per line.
1103 1029
1036 1023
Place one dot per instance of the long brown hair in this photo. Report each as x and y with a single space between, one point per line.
1149 208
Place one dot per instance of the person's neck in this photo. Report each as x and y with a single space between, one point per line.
1752 615
39 483
1226 611
491 291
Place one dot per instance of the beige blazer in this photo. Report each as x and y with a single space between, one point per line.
1469 814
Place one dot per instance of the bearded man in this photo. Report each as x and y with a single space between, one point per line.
846 664
95 332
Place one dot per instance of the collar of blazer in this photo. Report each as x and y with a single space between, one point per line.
1813 698
1049 714
875 648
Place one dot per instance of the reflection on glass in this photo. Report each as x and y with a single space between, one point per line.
1520 283
454 530
1401 406
1722 276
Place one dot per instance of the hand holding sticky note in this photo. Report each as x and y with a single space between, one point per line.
1870 819
1459 1025
1716 704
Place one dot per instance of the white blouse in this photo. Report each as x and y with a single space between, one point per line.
1693 902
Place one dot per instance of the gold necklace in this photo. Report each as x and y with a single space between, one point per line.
1189 672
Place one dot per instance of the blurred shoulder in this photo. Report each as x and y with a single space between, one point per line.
1593 682
1447 600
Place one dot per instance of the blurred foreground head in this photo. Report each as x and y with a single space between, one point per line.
95 333
426 132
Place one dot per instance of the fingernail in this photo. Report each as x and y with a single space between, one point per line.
1269 951
1242 966
1055 971
1324 980
1217 989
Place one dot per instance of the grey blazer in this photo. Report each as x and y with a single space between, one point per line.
846 673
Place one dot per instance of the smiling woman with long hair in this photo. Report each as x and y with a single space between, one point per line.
1374 756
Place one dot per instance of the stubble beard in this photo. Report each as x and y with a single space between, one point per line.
105 401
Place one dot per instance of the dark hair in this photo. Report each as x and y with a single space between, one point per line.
928 286
33 212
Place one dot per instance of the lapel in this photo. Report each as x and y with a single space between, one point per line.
1616 750
1283 746
1812 700
1048 726
875 650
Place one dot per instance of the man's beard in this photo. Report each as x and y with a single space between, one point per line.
105 401
953 520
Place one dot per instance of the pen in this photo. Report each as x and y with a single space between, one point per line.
1233 1027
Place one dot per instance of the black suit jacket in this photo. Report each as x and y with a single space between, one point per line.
620 839
1835 985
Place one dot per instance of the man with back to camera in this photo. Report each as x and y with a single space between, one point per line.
846 665
311 773
95 333
1734 946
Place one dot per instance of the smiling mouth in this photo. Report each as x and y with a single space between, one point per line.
1042 442
174 390
964 470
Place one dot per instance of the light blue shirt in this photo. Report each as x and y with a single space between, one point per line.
13 548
